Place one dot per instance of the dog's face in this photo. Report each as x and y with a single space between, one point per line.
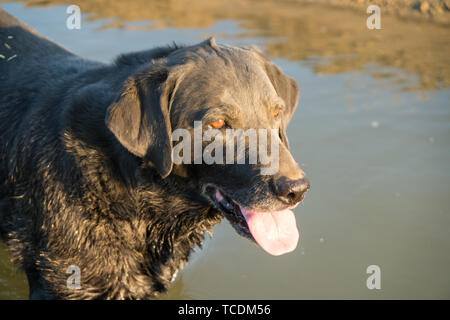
228 109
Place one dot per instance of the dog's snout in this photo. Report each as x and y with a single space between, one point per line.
291 191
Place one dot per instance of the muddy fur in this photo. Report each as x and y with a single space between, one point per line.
86 177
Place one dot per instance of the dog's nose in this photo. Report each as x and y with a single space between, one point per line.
291 191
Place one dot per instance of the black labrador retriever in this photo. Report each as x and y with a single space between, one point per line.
88 176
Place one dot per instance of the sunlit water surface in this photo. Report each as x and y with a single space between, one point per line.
373 136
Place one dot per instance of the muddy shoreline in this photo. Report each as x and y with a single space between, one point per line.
437 11
330 35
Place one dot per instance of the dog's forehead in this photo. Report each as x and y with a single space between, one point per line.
209 49
225 70
222 75
245 81
221 62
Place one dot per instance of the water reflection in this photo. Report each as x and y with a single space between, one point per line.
377 154
13 284
331 40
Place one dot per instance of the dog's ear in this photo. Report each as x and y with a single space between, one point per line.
140 118
286 88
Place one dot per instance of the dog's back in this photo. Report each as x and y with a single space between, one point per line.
31 67
27 40
25 55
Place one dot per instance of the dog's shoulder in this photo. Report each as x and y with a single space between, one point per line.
22 41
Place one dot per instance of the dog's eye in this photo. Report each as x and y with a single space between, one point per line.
276 112
218 124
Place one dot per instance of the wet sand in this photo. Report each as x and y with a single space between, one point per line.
327 34
437 11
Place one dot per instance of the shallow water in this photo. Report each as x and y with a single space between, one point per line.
372 131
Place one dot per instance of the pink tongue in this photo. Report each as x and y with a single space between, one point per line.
276 232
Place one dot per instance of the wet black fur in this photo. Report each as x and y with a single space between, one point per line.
103 195
70 193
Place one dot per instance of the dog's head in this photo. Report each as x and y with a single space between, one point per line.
217 115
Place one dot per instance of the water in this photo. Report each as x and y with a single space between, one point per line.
372 132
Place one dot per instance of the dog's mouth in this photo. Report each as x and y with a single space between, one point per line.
276 232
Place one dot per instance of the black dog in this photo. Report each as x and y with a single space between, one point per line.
87 176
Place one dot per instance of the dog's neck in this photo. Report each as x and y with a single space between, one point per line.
174 229
166 218
163 220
